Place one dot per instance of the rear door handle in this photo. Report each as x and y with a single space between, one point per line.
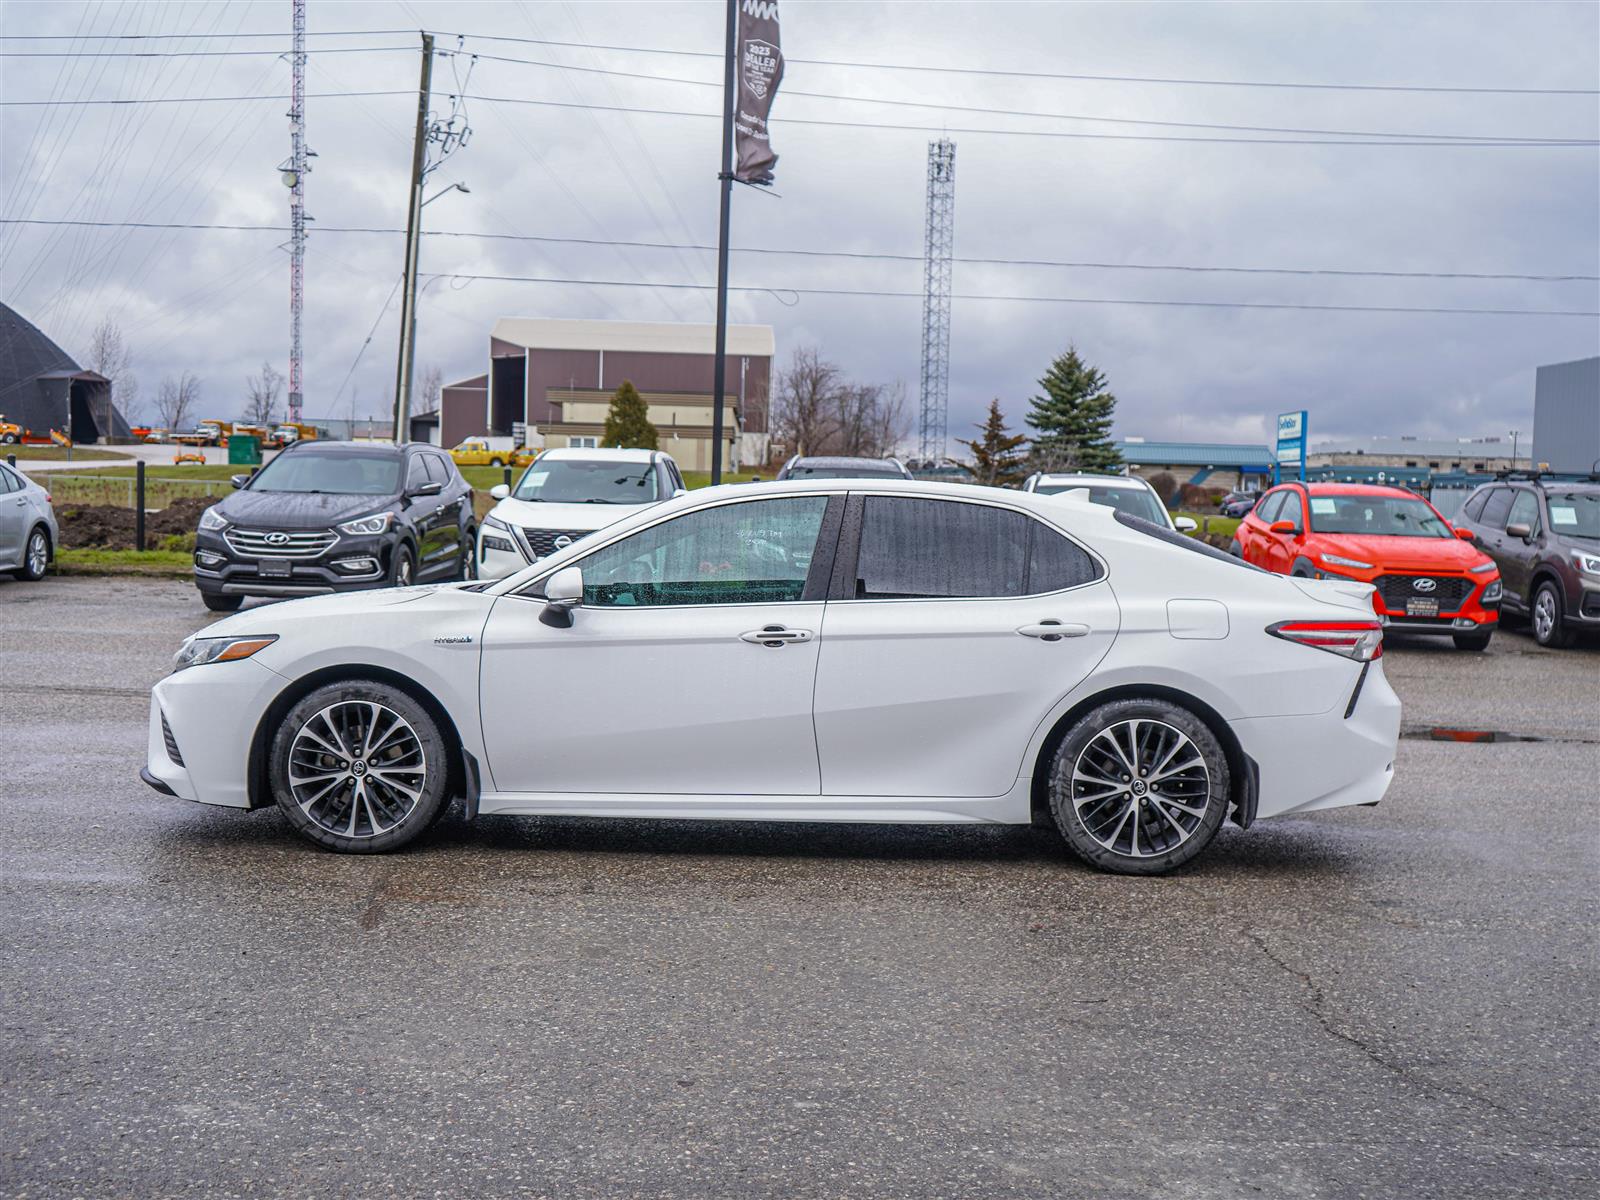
775 635
1051 630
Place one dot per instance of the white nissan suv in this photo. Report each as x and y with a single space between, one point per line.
563 496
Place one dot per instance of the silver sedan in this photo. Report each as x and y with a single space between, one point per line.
28 532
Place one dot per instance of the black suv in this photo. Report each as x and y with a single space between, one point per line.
336 516
1544 534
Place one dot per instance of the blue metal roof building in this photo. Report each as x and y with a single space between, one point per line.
1194 462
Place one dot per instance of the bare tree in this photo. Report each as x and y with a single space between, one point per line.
261 393
803 409
111 356
176 400
430 386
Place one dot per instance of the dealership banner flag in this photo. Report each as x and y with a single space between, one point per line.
760 72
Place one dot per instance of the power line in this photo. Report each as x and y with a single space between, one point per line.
167 37
778 292
199 53
1011 112
280 97
863 255
1013 74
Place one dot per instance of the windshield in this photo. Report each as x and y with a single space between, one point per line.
1575 514
858 471
1385 516
575 481
340 473
1135 501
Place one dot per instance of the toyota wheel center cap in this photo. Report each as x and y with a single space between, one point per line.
358 768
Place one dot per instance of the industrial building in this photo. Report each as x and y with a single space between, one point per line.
557 377
43 389
1470 454
1566 417
1210 464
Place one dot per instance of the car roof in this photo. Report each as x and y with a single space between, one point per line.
1355 489
600 454
1088 479
374 448
842 460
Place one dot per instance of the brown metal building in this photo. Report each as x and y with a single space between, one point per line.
558 376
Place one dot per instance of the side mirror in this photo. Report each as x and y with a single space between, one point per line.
499 491
239 481
1185 524
563 592
431 488
1284 527
1466 535
1520 529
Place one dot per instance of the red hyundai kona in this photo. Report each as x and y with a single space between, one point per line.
1429 578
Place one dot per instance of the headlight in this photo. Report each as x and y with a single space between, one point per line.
212 519
1492 593
1483 568
494 522
1588 563
368 525
197 652
1339 560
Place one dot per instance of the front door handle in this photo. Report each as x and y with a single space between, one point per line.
775 635
1051 630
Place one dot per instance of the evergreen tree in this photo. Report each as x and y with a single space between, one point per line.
996 457
1073 418
628 421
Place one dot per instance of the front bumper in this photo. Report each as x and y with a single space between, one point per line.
212 713
1472 613
351 563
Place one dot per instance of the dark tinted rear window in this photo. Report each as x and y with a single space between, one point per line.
928 549
1497 508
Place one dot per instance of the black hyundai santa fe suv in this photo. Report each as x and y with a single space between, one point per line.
336 516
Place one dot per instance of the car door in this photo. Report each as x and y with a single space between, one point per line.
452 501
14 513
1252 531
938 659
1491 528
688 667
1518 553
422 511
1283 548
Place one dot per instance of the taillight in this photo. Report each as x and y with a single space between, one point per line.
1358 640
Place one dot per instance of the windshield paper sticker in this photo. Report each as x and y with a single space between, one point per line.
1324 506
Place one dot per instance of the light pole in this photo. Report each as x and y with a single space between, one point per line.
1515 433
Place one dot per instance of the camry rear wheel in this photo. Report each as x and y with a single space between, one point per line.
1139 786
360 767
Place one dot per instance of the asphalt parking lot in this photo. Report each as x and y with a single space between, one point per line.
1398 1001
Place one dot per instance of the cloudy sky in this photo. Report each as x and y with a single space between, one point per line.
215 302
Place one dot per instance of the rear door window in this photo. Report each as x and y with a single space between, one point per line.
1498 508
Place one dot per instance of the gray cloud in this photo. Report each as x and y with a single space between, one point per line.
215 303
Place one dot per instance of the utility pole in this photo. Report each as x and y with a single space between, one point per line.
296 178
1515 433
725 177
408 302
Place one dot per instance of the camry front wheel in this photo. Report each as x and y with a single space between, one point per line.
360 767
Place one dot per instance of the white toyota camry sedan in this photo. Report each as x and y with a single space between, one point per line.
830 650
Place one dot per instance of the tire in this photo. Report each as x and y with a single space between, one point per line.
216 602
468 569
1174 748
1548 617
9 439
1235 549
1472 641
495 462
403 570
35 555
348 795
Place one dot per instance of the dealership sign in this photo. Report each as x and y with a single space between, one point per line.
760 73
1291 447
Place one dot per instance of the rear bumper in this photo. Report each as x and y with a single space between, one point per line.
1326 760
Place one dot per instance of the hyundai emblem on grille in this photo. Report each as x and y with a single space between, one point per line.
276 538
1424 585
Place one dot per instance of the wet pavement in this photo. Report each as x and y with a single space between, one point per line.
1370 1002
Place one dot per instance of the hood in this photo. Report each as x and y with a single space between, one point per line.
297 510
274 618
1403 553
537 514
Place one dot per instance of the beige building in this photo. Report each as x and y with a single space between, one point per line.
1471 455
682 421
